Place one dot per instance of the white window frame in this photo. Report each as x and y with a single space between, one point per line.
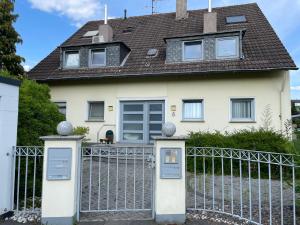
183 51
89 119
65 61
236 56
201 119
91 57
242 120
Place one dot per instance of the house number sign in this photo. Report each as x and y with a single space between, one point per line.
170 163
59 163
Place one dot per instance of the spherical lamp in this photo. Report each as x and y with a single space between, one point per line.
64 128
168 129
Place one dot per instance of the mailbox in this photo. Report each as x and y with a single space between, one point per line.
59 163
170 163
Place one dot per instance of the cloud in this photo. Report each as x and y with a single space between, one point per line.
295 88
26 67
78 11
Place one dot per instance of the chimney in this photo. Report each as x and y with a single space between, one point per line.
210 20
181 9
105 30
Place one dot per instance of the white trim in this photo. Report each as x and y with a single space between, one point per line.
64 59
237 44
90 57
183 50
253 120
121 99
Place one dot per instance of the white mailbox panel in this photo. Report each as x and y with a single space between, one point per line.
59 163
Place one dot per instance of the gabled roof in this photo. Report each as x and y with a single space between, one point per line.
262 48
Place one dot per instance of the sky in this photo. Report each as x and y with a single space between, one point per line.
45 24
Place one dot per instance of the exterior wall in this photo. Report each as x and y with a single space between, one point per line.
269 89
9 100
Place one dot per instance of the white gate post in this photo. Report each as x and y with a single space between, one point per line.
170 206
61 177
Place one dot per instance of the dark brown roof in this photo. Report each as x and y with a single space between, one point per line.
261 46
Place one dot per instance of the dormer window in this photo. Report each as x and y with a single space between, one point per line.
192 50
97 57
227 47
71 59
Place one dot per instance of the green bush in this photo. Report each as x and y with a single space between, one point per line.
81 130
258 140
38 116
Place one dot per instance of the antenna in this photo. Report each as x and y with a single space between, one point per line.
209 5
153 6
105 14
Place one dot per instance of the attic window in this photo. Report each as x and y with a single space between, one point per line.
236 19
152 53
91 33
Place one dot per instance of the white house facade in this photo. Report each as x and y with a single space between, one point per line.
222 70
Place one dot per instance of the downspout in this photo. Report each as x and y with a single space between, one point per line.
281 100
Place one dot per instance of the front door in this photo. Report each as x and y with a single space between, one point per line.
141 121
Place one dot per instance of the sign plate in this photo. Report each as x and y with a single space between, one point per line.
59 164
170 163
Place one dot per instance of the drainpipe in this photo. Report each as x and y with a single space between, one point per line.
281 100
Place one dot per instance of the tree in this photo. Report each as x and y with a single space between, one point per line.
38 116
9 60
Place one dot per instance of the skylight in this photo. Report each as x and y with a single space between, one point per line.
236 19
91 33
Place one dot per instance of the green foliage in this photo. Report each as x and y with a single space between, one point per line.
258 140
9 60
81 130
38 116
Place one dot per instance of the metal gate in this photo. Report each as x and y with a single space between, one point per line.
116 182
258 187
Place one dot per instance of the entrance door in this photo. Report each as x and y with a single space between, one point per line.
141 120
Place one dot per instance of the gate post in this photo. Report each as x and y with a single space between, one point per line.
61 179
170 206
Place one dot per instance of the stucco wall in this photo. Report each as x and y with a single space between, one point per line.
270 88
9 100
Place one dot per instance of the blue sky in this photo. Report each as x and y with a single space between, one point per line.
45 24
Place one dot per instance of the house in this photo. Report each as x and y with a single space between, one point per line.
217 69
9 101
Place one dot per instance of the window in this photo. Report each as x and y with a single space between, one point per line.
192 50
236 19
98 57
192 110
227 47
242 109
62 107
71 59
96 111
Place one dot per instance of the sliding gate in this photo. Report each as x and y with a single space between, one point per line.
116 182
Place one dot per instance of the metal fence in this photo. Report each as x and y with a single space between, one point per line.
116 179
258 187
27 182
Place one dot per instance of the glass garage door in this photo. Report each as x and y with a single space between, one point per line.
141 120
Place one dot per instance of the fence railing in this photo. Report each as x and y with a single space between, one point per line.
28 167
258 187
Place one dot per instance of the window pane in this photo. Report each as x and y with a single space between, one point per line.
236 19
227 48
192 110
98 57
72 59
156 107
132 137
242 108
133 117
132 108
155 117
193 50
155 127
132 126
62 107
96 110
